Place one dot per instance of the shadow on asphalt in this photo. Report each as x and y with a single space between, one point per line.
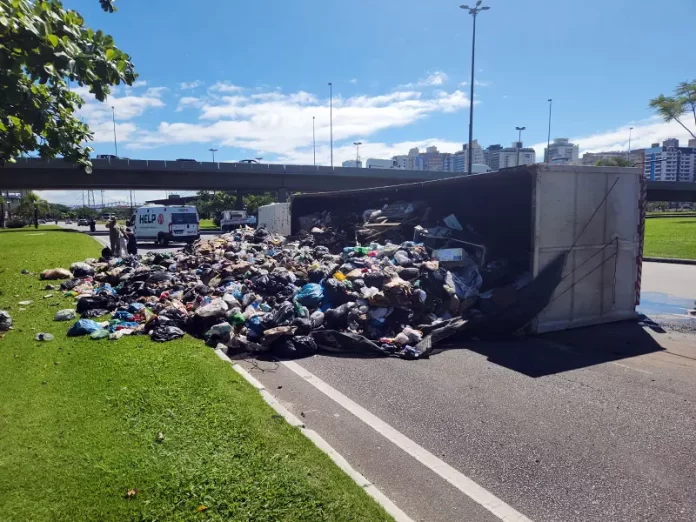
558 352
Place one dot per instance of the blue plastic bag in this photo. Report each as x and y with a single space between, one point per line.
123 316
255 328
134 308
310 295
83 327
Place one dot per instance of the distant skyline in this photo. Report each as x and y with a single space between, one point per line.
247 79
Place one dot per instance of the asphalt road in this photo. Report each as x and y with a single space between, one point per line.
589 425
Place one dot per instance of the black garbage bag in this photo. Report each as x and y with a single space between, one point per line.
337 318
261 235
355 319
93 302
283 315
69 284
335 292
294 347
178 318
344 343
304 326
95 312
375 279
316 275
167 333
159 277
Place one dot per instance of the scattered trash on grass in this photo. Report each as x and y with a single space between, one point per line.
5 321
43 337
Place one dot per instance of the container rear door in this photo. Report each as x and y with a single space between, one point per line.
592 212
184 222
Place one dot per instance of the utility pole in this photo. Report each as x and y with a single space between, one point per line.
473 11
331 118
630 131
314 140
519 143
548 139
213 151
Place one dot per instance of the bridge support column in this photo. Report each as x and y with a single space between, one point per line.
282 195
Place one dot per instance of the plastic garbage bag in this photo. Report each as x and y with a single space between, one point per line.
80 269
42 336
311 295
134 308
99 334
5 321
166 333
83 327
95 301
92 314
56 273
464 282
123 316
294 347
65 315
216 308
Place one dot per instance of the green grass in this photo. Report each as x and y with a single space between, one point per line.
79 421
207 224
670 237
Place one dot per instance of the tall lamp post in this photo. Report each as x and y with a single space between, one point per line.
357 153
548 139
630 131
113 119
331 118
213 151
473 11
519 142
314 140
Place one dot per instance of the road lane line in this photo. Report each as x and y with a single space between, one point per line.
397 514
632 368
460 481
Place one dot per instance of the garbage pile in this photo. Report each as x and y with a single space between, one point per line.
252 291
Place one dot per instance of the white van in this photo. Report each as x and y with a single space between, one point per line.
162 224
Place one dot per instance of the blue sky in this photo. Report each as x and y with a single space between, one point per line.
247 77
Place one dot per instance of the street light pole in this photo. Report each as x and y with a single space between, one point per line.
213 151
331 118
519 143
357 153
113 119
473 11
630 131
314 140
548 139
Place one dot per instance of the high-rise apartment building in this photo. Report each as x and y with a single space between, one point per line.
491 156
562 152
670 162
461 158
516 155
591 158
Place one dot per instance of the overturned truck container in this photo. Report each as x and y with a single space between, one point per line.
577 230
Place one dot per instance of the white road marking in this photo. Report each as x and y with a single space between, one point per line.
632 368
460 481
319 442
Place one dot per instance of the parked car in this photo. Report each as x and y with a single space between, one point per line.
82 222
68 221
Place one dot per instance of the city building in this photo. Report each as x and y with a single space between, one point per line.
591 158
460 159
352 163
515 155
491 156
670 162
562 152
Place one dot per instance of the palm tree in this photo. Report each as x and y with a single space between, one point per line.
30 202
672 108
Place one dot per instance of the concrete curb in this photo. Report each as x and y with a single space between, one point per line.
670 260
320 443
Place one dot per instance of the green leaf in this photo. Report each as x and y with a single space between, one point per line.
110 53
53 40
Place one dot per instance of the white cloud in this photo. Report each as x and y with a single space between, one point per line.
482 83
225 87
277 123
435 79
644 134
190 85
139 83
186 102
354 81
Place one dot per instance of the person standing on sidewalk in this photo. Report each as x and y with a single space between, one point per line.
114 237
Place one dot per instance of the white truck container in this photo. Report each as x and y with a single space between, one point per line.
374 163
531 215
275 218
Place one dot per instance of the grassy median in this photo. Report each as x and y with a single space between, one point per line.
135 430
670 237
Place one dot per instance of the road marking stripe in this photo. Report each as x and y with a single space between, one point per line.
460 481
632 368
319 442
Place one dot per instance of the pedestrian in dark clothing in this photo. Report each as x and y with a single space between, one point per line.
132 243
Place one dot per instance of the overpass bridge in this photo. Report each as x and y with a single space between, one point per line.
127 174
